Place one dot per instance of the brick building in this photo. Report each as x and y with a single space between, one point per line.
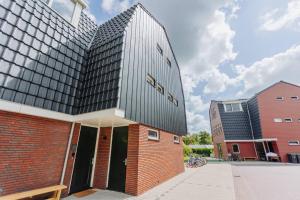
251 128
87 105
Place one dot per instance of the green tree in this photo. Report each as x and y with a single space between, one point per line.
202 137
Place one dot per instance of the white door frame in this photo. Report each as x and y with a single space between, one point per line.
109 155
95 157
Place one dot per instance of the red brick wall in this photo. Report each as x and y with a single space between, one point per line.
246 149
154 162
101 168
32 151
270 108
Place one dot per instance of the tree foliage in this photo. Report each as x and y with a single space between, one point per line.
198 138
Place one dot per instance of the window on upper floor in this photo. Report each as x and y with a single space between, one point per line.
153 135
235 148
280 98
294 143
64 7
176 139
233 107
151 80
160 89
159 49
175 101
277 120
288 120
170 97
295 98
169 62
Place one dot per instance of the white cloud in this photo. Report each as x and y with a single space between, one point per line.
111 6
198 122
274 20
282 66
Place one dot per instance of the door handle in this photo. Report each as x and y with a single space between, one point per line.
125 162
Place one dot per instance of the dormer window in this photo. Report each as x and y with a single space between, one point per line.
159 49
64 7
70 10
296 98
280 98
233 107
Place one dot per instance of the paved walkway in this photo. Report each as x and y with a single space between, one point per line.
266 181
213 182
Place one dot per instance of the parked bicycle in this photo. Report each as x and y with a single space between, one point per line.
196 161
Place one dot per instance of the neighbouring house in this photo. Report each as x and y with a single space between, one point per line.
267 122
86 105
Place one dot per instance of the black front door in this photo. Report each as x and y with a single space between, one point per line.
84 159
117 172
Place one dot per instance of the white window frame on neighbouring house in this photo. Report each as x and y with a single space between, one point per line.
277 120
279 98
176 139
151 80
288 120
294 143
295 98
238 146
151 137
232 110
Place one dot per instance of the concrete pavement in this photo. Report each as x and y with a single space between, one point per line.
211 182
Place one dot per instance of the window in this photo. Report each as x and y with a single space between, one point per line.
233 107
159 49
288 120
176 139
175 101
295 98
170 97
153 135
169 62
150 80
294 143
235 148
277 120
64 7
280 98
160 89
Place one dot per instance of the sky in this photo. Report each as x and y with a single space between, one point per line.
226 49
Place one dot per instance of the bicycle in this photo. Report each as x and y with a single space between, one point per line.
196 161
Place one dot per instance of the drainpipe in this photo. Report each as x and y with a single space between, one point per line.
67 154
252 133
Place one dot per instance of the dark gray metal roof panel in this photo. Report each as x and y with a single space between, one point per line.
236 125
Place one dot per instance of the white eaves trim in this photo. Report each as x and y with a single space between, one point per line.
39 112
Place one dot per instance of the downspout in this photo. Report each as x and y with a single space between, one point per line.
67 154
251 127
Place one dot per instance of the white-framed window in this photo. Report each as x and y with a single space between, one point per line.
175 101
160 89
170 97
153 135
169 62
233 107
64 7
151 80
70 10
277 120
288 120
296 98
176 139
159 49
294 143
235 148
279 98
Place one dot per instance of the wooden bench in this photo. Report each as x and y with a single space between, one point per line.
249 158
56 190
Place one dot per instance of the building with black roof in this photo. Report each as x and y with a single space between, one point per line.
108 98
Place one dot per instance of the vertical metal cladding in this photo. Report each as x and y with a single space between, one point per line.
41 55
236 125
255 118
141 101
